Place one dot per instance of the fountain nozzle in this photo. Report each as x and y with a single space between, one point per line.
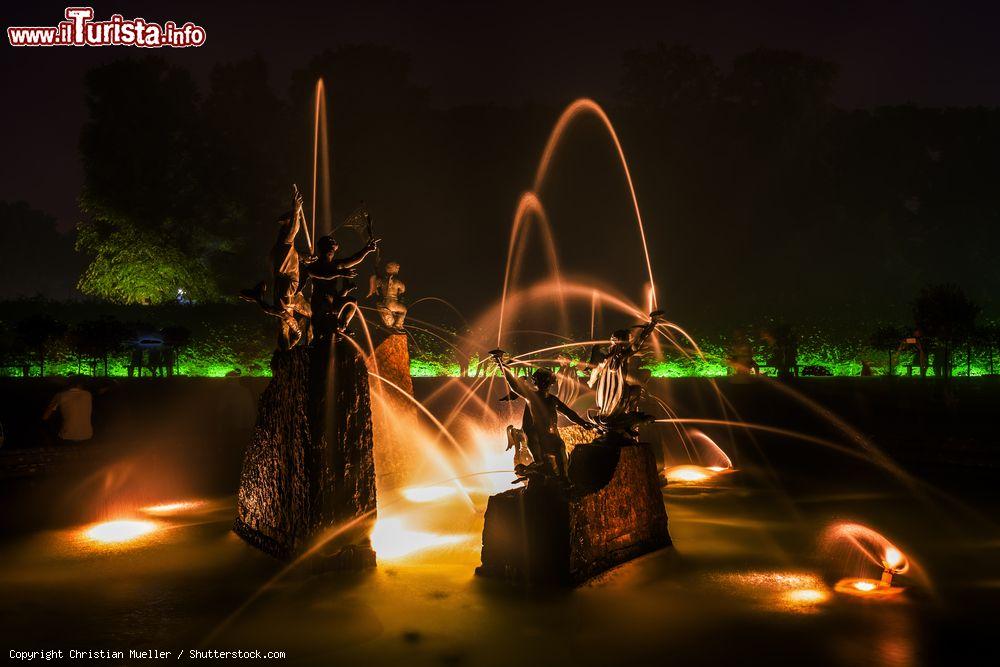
891 564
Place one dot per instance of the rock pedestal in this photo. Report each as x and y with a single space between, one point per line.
392 356
540 536
393 415
309 467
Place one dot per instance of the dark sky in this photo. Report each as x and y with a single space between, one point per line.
936 53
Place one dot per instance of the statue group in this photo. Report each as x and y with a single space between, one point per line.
328 277
310 464
615 419
309 469
577 514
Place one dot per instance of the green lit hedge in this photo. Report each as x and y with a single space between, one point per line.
228 337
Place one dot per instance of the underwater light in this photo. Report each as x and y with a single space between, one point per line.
117 532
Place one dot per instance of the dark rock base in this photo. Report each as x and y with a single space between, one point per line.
540 536
309 466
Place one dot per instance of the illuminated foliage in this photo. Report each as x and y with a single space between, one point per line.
130 266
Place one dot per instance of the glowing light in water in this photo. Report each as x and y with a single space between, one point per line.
173 508
795 592
391 539
867 588
807 596
118 532
687 473
864 544
428 494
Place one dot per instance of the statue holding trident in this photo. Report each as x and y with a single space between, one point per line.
288 303
618 399
540 423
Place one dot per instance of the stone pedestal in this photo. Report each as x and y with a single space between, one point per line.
309 466
392 356
541 536
393 415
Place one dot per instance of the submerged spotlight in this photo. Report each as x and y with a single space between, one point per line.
117 532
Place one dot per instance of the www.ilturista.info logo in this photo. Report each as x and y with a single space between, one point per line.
79 29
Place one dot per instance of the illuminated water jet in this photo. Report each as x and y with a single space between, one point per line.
864 544
392 540
577 108
428 494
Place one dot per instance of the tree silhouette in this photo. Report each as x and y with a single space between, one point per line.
987 337
96 340
29 242
151 225
946 315
176 338
37 333
887 339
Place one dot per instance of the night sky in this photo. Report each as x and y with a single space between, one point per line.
936 54
508 54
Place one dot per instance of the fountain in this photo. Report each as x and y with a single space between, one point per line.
309 467
867 547
707 452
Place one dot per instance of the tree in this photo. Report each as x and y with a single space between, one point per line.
251 159
97 340
945 315
29 241
37 333
887 339
151 225
133 266
669 78
987 337
176 338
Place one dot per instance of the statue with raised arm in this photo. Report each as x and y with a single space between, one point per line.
333 306
288 304
617 399
388 290
540 422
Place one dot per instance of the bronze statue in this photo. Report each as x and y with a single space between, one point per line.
288 303
540 422
389 290
332 287
618 399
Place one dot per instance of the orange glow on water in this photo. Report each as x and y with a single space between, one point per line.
687 473
173 508
392 540
428 494
119 532
691 473
867 588
807 596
